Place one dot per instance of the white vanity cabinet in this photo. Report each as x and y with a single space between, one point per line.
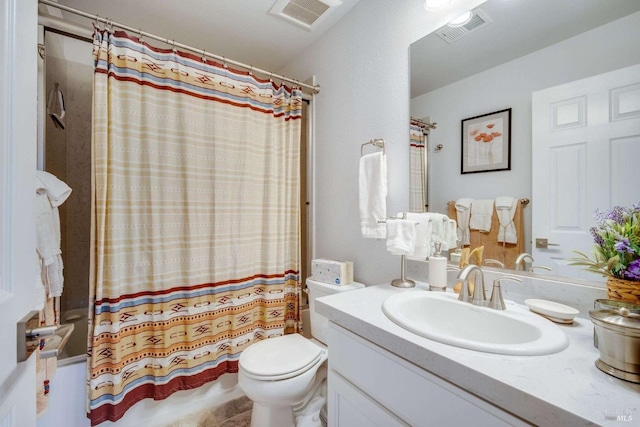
370 386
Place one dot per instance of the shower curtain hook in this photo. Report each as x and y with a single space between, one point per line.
173 43
251 70
204 56
140 40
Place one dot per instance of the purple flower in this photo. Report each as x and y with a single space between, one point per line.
623 246
633 270
597 238
617 214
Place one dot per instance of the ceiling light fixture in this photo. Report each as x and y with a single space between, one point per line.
435 4
461 20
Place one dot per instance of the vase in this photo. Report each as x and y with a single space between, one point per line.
623 290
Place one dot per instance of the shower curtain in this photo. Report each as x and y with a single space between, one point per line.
417 168
195 225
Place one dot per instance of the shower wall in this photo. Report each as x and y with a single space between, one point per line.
68 156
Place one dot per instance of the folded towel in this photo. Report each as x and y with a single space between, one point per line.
422 247
504 202
57 191
373 195
463 211
506 210
431 227
450 236
481 213
401 236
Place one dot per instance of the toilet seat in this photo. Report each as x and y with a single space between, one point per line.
280 358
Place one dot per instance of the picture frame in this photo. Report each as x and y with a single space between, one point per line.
486 142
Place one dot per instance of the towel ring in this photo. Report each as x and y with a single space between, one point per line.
378 142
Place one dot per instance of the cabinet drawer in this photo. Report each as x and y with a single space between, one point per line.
349 407
416 396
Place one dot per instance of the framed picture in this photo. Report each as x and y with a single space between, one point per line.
486 142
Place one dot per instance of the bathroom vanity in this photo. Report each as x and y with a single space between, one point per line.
381 374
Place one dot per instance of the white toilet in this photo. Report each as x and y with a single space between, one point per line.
282 374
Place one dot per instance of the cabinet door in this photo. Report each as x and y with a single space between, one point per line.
350 407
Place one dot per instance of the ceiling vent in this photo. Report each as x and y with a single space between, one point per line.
451 34
304 13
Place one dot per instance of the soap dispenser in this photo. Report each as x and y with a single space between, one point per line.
437 270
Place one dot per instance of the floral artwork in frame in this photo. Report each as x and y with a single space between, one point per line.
486 142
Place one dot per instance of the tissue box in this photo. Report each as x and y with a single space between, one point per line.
332 271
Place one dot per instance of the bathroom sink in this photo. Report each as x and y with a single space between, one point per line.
441 317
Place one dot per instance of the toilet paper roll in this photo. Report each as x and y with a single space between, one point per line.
437 272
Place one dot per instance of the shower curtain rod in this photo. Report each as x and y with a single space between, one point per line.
314 88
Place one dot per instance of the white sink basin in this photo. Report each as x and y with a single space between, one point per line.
441 317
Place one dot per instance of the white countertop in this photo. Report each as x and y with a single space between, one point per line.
561 389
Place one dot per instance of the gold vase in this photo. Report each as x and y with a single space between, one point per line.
623 290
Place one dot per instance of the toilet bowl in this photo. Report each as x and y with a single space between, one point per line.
281 374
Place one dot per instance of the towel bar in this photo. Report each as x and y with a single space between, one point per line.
523 201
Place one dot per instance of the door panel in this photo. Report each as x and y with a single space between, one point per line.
586 135
18 106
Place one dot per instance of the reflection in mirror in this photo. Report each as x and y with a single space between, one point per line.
510 50
419 131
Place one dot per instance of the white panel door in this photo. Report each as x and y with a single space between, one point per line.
18 100
586 142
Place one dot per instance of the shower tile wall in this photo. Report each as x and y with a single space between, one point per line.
68 156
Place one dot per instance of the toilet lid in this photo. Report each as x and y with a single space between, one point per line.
277 357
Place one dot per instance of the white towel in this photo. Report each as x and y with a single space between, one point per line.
481 213
450 236
506 210
57 191
48 244
401 236
463 211
422 247
431 227
50 193
373 195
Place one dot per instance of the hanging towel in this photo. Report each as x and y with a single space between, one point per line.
506 210
373 195
463 211
56 100
450 235
440 231
481 213
422 248
401 236
431 227
50 193
57 191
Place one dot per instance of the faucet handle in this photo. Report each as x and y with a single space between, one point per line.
496 302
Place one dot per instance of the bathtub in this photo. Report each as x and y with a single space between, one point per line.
77 344
68 395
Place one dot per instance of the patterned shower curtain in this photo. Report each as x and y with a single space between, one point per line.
195 234
417 168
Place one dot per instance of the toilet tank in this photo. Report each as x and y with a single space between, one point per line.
319 323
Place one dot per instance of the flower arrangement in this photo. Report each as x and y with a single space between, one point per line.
617 244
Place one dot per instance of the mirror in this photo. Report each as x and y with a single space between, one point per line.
509 50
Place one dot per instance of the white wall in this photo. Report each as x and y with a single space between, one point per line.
612 46
362 66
